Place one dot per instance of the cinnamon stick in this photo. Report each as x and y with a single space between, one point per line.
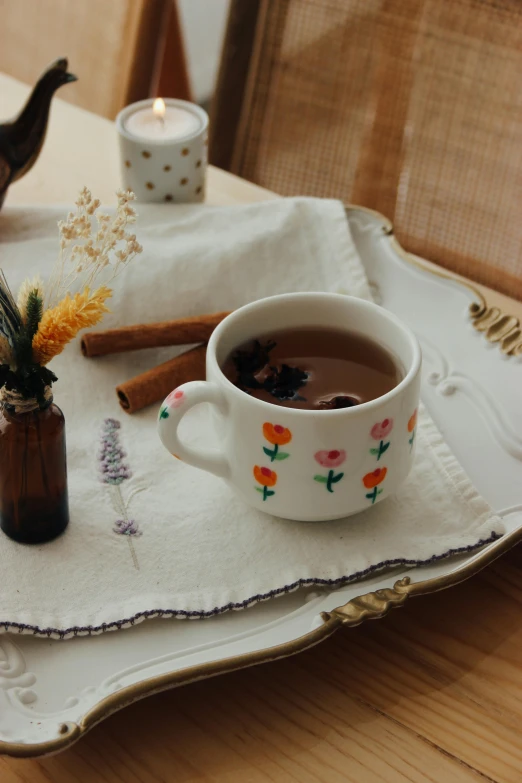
182 331
154 385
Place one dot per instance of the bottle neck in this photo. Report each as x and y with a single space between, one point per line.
14 402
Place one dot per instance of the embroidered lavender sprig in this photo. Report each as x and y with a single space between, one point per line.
127 527
113 467
114 470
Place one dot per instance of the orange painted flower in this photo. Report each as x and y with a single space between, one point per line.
412 421
265 476
371 480
277 434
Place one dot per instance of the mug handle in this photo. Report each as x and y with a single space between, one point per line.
174 407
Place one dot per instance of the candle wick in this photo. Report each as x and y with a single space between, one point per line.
162 120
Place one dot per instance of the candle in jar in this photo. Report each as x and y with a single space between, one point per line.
162 123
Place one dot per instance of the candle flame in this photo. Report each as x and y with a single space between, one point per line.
158 107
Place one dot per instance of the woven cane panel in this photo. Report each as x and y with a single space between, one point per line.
411 107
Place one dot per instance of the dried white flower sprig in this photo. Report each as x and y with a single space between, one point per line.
94 248
35 328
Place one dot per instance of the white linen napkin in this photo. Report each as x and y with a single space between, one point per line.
173 541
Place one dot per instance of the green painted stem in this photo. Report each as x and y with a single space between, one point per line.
329 481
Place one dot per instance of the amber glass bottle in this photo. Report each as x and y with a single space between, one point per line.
33 474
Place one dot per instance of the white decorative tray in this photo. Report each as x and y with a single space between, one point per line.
53 691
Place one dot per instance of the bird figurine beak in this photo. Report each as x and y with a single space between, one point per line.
61 65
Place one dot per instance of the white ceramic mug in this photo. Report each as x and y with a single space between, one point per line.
304 464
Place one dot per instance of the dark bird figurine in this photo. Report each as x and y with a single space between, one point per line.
22 139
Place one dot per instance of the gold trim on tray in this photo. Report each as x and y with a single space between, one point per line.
369 606
497 327
373 606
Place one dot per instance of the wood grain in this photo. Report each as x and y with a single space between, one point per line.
431 693
283 722
450 668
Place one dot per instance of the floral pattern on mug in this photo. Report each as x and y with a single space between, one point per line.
277 435
174 400
267 478
379 432
412 427
330 459
372 481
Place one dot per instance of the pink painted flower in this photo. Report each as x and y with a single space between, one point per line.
330 459
175 398
381 429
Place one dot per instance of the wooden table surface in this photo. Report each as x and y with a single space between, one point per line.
433 692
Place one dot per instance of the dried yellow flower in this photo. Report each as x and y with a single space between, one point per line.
60 324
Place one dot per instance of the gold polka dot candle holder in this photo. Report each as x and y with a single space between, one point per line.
164 158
